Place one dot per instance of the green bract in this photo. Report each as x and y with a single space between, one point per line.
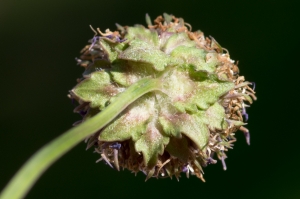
198 103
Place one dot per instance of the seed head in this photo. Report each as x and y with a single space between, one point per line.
183 125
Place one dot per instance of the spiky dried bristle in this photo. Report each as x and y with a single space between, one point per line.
178 129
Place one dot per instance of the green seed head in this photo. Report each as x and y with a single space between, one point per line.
187 121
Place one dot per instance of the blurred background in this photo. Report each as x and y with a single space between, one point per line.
39 41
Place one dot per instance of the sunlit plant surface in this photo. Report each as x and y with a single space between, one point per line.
161 99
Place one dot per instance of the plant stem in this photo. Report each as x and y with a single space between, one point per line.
42 159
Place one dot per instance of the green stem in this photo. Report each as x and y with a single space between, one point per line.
41 160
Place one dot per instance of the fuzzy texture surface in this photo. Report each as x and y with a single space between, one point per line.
184 124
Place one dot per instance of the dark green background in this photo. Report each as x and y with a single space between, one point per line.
39 41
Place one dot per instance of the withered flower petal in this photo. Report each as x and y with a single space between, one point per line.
182 126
